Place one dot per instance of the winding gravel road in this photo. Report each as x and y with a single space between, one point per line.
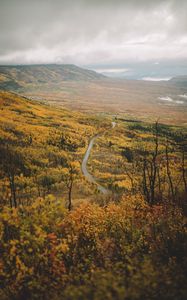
89 176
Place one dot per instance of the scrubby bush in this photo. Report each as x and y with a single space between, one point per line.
125 251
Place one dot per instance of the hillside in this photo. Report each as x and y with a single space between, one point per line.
84 90
180 81
48 140
17 77
128 244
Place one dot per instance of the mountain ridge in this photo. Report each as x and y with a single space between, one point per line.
15 77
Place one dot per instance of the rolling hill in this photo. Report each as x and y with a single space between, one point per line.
46 137
87 91
22 76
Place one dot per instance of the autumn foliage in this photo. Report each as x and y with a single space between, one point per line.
59 237
124 251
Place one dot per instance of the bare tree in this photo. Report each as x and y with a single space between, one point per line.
150 167
12 164
184 170
69 176
169 171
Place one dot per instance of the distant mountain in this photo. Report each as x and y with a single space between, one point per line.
22 76
141 70
180 81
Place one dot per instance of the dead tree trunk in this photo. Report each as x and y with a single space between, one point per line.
184 171
169 172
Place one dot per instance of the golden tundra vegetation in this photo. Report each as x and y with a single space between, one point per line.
60 238
84 90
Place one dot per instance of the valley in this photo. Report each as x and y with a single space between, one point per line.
93 150
87 91
90 121
92 185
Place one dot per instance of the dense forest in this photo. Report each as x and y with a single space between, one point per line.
60 238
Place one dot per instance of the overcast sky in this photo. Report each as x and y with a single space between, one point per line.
92 32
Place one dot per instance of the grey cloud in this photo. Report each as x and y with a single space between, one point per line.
92 31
